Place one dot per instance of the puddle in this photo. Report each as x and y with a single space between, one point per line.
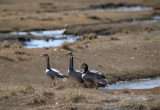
44 43
119 9
137 84
57 34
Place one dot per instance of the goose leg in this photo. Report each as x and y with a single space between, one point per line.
86 85
54 82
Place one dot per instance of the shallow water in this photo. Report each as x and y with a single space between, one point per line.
44 43
57 34
119 9
136 84
153 19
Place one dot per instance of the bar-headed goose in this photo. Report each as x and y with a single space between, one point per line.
52 73
91 77
74 74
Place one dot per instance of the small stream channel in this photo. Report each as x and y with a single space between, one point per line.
118 9
136 84
59 38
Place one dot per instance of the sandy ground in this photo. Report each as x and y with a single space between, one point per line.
130 51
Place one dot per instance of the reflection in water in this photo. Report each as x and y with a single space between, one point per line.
119 9
140 84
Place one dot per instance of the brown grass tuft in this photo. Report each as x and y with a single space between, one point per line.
37 101
81 44
17 45
65 46
6 58
126 91
79 98
5 45
154 104
89 36
19 52
114 38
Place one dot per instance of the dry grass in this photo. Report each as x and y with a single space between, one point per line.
81 44
42 97
65 46
6 57
5 45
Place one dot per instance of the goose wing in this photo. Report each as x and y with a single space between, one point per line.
96 75
87 77
55 73
76 75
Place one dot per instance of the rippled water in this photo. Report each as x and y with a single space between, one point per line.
119 9
137 84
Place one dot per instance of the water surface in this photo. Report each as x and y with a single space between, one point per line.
136 84
119 9
44 43
57 34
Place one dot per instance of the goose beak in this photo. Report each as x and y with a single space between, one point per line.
43 55
81 66
70 53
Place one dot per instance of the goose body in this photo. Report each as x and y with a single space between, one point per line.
53 73
74 74
91 77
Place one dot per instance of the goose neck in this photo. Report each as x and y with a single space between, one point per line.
48 64
85 68
71 62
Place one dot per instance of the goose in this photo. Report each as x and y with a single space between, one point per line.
64 30
74 74
53 73
91 77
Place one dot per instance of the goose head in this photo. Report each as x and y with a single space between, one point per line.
44 55
83 65
70 53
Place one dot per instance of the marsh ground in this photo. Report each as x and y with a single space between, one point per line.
130 51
